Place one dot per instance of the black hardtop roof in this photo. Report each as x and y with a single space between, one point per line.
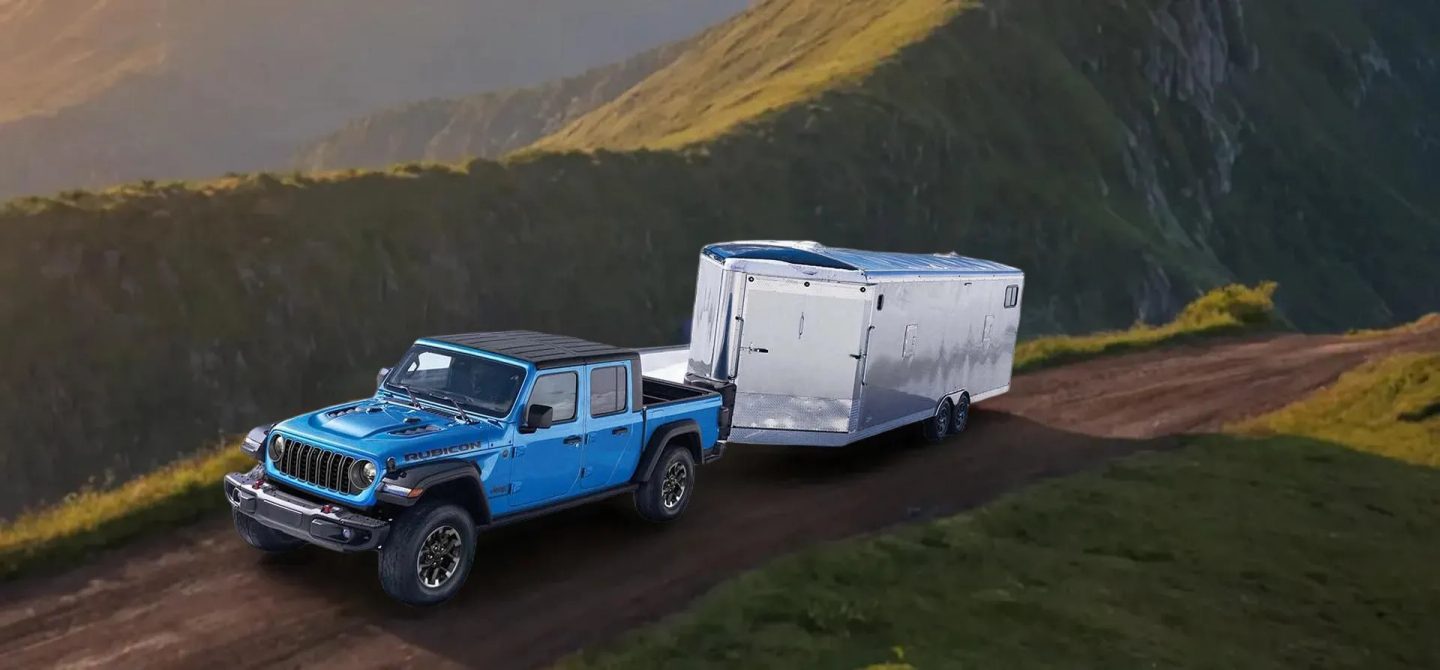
542 349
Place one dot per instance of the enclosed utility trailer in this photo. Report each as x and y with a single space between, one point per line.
826 346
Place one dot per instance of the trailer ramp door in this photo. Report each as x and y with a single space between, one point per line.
801 349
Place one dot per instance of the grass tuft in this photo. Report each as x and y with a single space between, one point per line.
1223 311
91 520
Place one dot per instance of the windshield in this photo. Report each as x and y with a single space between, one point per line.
478 384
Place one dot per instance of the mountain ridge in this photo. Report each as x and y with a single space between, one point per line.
242 85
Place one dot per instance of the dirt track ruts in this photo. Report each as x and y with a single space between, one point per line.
198 596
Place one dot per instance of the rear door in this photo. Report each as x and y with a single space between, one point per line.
801 347
613 430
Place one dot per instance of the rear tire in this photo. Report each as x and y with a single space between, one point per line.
935 428
263 537
429 553
664 497
961 417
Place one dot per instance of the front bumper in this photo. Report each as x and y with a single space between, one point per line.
323 524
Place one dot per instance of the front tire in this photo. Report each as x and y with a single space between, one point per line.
429 553
935 428
263 537
664 497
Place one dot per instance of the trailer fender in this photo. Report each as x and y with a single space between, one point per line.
685 431
458 480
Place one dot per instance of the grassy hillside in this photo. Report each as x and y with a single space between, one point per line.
1277 552
1128 157
1390 408
487 125
777 55
94 92
1227 310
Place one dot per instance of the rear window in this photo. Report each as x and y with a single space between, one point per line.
607 390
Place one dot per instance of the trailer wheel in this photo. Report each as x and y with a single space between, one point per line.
935 428
961 416
263 537
667 493
429 553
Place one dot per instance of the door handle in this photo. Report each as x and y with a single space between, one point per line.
573 439
757 350
620 431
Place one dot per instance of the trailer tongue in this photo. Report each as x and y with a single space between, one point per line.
827 346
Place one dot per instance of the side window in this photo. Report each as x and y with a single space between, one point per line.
1012 295
607 390
558 391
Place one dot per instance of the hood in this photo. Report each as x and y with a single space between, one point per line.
379 430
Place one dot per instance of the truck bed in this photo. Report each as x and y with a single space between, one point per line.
660 391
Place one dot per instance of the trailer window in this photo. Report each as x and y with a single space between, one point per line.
607 390
559 392
1012 295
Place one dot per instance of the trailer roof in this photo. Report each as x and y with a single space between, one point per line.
541 349
869 262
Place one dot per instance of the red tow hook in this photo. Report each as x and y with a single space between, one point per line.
258 483
325 509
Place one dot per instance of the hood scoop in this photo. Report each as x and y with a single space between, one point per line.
416 430
368 409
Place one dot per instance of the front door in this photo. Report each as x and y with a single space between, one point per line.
547 462
801 345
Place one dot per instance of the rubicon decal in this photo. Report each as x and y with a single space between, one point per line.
443 451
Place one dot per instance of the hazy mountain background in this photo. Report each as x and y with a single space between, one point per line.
96 92
485 125
1126 155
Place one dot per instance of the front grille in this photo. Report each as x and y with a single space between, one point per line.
314 465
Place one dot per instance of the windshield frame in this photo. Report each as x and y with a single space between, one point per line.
423 394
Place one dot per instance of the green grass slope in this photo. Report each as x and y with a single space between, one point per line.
1274 552
1129 158
487 125
777 55
1228 310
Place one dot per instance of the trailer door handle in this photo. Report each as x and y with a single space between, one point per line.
573 439
757 350
857 356
620 431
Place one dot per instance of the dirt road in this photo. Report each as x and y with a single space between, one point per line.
199 596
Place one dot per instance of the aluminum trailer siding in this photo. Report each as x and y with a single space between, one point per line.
827 346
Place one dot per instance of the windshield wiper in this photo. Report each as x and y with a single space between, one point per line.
413 402
464 416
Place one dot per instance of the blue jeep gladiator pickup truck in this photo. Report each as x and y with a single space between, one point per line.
469 432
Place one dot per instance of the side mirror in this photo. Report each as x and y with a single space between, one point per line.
380 376
537 417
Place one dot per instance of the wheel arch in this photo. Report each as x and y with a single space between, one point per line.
685 432
455 481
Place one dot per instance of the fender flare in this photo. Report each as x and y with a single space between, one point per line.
432 475
661 437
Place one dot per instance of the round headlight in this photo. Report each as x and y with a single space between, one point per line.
362 474
277 448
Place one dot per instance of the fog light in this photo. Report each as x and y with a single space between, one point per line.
347 534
